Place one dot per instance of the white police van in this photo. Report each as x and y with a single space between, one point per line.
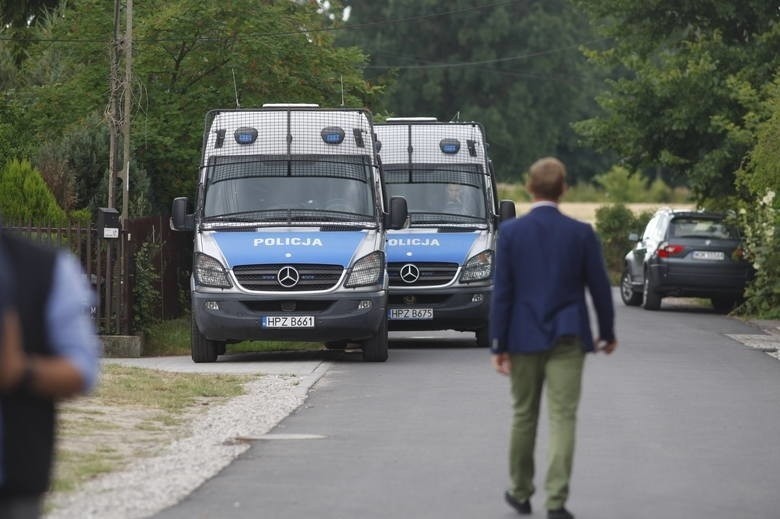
289 225
441 265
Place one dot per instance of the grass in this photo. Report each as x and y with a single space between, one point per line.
172 337
132 413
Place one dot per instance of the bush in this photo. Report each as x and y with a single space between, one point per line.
613 224
146 295
25 197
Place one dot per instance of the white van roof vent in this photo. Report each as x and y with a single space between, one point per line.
411 120
290 105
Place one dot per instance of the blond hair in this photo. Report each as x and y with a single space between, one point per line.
546 179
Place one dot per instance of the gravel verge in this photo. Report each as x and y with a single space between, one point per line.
212 440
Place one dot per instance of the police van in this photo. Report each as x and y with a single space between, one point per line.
441 265
289 224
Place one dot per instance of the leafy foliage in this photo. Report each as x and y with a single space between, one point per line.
146 295
24 196
692 75
186 56
515 67
613 225
760 213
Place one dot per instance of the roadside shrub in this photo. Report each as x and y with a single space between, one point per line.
613 224
759 213
25 197
146 295
622 186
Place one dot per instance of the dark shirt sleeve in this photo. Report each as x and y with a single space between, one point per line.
599 287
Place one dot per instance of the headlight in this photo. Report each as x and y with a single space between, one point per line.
368 270
209 272
478 267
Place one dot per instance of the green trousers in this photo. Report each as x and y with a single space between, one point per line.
560 372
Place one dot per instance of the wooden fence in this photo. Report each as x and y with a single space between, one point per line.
110 267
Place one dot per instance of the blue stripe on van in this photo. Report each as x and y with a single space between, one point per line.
254 248
445 247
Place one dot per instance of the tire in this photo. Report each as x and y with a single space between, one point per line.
651 300
203 350
723 304
375 348
483 337
627 293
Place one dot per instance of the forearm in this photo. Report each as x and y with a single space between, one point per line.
54 377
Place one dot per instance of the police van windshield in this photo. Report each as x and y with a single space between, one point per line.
439 193
332 188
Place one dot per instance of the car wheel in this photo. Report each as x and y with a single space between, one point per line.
375 348
723 305
627 293
203 350
483 337
651 300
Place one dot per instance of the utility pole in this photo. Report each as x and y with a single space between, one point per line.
128 41
112 115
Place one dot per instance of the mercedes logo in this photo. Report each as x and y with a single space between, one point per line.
288 276
410 273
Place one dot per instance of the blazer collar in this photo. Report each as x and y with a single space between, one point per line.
543 203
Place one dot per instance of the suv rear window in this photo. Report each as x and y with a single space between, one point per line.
692 227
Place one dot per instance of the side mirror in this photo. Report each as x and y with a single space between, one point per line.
506 210
633 237
396 218
180 220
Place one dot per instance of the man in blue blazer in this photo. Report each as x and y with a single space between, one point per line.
540 329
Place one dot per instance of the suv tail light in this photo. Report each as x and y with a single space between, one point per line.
667 250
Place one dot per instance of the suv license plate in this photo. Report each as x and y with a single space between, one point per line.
287 321
410 313
709 255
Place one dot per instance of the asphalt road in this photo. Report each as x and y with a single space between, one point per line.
681 422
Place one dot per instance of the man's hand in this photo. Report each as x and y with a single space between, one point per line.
12 357
605 346
502 363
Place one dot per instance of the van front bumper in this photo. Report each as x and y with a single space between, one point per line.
466 309
336 317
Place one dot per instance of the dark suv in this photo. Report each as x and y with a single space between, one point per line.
686 254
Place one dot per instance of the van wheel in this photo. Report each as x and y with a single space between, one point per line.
627 293
483 337
375 348
651 300
203 350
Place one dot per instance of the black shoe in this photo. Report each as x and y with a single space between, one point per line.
522 507
559 513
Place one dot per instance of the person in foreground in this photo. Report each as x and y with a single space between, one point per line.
48 351
540 330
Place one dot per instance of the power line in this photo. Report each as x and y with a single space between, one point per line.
484 62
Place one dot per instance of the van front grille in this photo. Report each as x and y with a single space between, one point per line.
288 278
428 274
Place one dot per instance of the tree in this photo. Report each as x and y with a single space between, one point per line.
186 56
515 67
692 73
25 197
759 182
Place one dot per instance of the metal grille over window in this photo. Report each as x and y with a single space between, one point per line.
421 274
276 278
288 166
